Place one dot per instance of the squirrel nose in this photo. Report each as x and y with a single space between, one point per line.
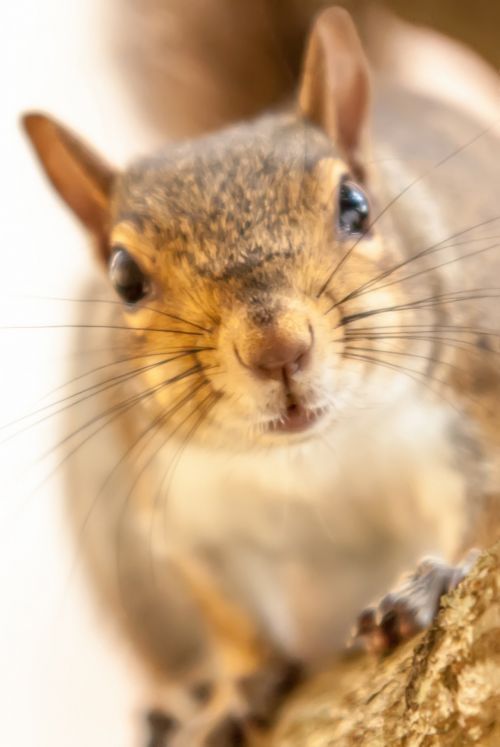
280 356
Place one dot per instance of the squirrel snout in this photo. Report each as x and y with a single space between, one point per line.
278 355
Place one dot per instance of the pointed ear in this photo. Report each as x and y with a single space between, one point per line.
335 87
81 177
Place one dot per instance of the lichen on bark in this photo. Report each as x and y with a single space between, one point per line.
440 690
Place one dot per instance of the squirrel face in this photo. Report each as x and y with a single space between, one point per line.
238 233
241 256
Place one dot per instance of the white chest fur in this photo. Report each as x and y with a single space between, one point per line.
305 536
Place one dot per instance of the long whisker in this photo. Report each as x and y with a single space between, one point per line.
183 351
114 412
142 440
94 390
164 486
430 269
421 356
153 427
431 328
396 366
417 376
120 523
463 345
397 197
438 246
428 333
121 406
427 302
124 327
118 303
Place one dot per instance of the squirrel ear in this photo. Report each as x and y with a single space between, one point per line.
335 87
82 179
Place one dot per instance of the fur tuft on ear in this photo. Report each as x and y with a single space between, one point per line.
334 91
80 176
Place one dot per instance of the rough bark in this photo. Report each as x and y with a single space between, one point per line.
440 690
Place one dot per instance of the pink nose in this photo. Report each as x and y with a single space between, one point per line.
279 356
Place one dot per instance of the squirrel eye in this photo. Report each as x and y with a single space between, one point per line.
354 210
126 276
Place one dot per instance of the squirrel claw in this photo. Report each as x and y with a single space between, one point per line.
411 607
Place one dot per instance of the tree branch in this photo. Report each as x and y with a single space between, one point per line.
440 690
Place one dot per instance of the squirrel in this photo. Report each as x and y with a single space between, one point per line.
298 395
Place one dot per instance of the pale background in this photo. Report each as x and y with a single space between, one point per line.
62 680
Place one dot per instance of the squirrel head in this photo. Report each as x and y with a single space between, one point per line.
246 251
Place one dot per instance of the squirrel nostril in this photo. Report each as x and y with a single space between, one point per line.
279 356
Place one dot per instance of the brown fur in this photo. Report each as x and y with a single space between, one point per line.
238 234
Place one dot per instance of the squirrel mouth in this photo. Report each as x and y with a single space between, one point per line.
296 418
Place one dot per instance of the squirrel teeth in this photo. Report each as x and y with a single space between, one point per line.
296 418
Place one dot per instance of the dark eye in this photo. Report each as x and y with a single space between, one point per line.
126 276
354 210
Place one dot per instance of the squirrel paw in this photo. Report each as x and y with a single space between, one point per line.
263 694
160 727
230 732
224 731
235 721
411 606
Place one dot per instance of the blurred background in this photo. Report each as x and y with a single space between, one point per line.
64 680
474 23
